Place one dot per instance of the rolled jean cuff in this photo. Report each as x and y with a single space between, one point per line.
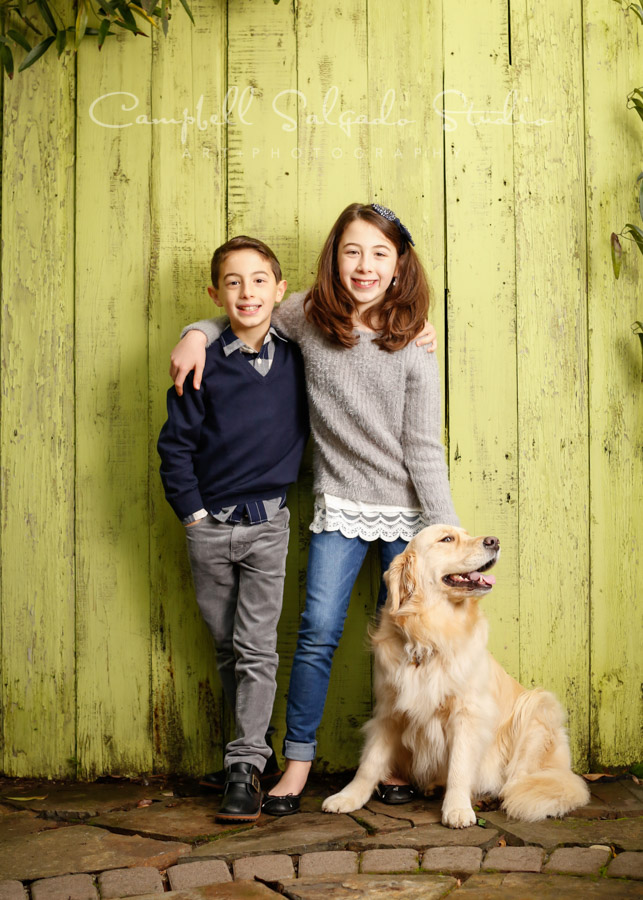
300 752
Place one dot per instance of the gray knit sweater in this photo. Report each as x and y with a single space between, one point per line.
374 415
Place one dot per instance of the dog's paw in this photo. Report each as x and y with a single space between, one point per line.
458 817
340 803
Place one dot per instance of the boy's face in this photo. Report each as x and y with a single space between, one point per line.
248 291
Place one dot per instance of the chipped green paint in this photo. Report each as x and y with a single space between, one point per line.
106 664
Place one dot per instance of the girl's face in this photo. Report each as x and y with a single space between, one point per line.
367 262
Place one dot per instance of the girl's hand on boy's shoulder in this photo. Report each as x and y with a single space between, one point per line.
427 338
188 354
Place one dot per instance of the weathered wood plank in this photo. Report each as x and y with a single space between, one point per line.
552 358
262 57
333 172
187 222
481 300
112 250
613 44
405 159
37 428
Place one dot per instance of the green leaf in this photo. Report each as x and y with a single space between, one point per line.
128 27
638 106
103 31
617 253
636 234
637 328
106 6
61 41
189 11
45 12
7 59
81 22
142 14
36 53
126 13
165 16
19 39
638 10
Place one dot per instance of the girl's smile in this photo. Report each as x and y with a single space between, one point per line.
367 263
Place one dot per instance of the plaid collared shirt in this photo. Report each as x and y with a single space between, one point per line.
261 360
258 510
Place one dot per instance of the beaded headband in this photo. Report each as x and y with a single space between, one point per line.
390 215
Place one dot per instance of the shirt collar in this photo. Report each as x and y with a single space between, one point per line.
231 342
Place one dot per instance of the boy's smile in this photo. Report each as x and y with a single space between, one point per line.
248 291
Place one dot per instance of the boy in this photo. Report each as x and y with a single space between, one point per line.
228 453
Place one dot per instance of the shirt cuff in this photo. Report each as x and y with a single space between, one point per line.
194 517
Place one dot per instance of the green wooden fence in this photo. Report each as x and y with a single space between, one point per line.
498 131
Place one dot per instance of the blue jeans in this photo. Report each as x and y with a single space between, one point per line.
334 562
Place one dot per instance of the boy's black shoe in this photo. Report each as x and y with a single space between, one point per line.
271 773
242 794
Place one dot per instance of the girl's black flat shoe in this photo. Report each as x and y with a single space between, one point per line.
281 806
395 794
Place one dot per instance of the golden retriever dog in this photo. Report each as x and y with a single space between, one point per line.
446 713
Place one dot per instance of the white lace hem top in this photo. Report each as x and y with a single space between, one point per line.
369 521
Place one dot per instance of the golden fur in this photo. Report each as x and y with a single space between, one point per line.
446 713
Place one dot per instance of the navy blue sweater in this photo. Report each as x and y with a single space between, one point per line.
240 437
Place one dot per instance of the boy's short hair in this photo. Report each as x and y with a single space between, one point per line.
243 242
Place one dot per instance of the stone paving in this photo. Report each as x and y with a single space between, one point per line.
155 839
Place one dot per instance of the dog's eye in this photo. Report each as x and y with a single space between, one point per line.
445 540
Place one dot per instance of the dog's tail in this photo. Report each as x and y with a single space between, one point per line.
551 792
540 781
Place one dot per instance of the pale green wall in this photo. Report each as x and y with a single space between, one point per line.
107 235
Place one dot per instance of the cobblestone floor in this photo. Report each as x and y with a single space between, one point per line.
158 839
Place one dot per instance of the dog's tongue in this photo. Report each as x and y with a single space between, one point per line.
486 579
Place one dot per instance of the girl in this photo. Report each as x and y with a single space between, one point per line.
379 469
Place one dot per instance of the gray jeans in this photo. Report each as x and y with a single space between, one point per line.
238 573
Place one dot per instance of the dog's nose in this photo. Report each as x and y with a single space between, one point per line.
491 542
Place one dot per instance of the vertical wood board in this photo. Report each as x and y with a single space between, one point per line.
481 300
37 427
113 250
613 134
187 213
552 358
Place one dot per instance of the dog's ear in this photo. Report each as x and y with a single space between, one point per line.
401 580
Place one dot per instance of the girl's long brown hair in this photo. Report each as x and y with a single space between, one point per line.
398 317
